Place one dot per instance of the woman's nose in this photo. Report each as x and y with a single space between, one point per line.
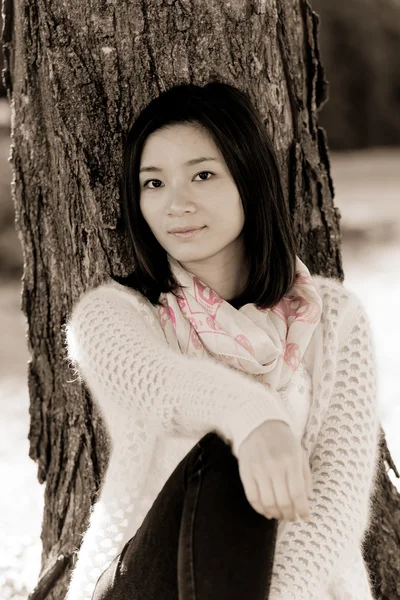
180 202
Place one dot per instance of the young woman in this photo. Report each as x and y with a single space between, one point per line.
239 390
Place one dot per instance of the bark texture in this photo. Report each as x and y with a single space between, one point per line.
75 74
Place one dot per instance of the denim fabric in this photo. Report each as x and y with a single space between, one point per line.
200 540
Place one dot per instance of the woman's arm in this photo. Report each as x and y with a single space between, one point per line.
117 513
128 368
344 465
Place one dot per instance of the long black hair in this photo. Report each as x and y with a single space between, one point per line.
239 132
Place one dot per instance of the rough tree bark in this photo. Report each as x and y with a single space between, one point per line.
75 73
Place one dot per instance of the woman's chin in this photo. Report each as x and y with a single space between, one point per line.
189 254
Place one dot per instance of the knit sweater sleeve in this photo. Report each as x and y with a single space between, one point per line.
118 509
118 355
343 465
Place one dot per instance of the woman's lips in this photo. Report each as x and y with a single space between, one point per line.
188 234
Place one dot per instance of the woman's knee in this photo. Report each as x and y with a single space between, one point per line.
210 450
212 443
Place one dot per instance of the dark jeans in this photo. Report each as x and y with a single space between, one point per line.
200 540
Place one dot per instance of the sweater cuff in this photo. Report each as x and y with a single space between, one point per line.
240 423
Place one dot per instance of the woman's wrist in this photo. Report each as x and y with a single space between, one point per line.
237 425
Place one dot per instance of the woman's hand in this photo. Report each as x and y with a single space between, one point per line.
275 473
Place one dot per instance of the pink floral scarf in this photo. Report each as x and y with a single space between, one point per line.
268 344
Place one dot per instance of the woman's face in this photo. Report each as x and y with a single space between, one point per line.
203 194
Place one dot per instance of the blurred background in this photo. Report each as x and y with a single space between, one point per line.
360 49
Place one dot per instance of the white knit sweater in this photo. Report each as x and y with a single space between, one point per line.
158 403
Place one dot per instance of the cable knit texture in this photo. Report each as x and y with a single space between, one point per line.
157 403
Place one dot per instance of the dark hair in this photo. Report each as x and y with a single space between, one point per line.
239 133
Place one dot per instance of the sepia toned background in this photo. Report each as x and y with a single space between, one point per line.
360 43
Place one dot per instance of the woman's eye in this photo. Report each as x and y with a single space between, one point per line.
202 172
151 180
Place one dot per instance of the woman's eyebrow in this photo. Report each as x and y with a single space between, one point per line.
192 161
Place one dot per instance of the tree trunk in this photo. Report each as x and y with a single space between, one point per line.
75 73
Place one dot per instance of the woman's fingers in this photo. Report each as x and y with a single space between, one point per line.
273 492
275 472
251 489
267 495
278 493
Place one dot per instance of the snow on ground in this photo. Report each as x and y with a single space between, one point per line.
367 188
21 501
367 193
